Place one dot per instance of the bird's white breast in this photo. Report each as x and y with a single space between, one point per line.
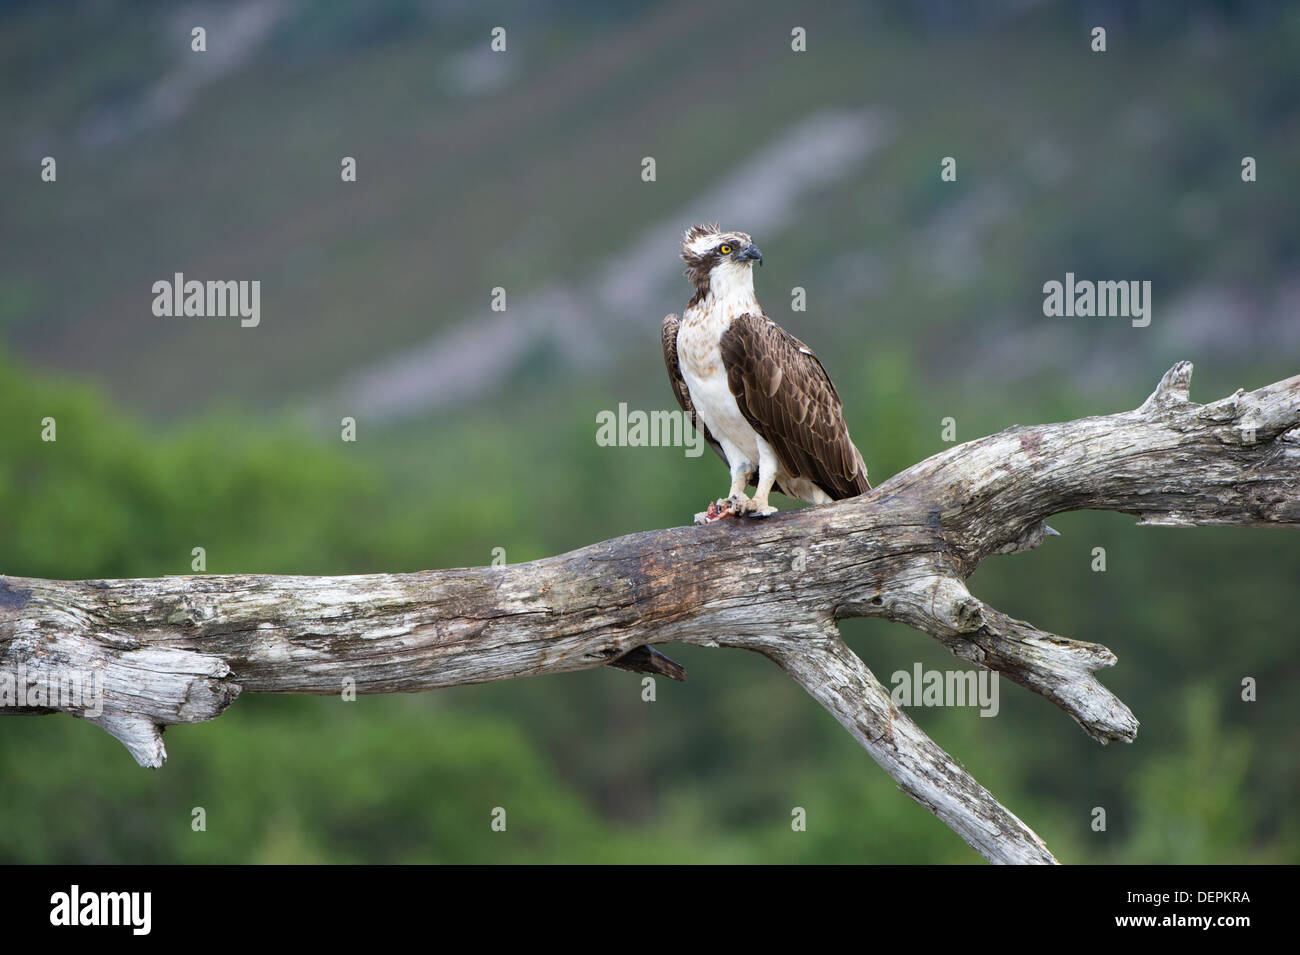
700 357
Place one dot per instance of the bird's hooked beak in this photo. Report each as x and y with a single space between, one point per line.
749 252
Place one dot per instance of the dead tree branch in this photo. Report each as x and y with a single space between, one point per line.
180 649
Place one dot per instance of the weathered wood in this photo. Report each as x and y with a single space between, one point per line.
180 649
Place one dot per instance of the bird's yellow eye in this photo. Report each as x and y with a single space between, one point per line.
724 249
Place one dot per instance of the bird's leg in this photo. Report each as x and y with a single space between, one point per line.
736 500
741 472
757 506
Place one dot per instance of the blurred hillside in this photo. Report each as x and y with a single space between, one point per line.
476 428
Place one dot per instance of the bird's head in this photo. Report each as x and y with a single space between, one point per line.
719 262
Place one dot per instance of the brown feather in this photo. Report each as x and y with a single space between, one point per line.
785 394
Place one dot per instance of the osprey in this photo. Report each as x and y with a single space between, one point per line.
759 395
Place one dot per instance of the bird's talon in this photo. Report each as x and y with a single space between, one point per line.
718 509
755 508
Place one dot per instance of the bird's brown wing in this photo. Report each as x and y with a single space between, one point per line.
785 394
680 390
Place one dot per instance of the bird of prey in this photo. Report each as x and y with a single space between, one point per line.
759 395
